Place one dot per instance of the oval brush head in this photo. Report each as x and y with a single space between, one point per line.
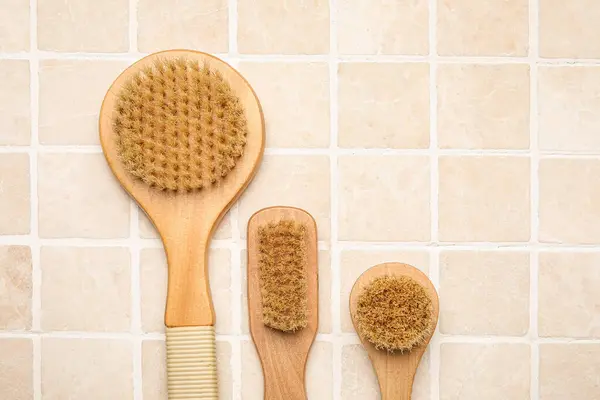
395 313
178 125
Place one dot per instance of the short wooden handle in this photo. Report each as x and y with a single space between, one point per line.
191 363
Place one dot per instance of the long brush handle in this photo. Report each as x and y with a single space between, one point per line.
191 363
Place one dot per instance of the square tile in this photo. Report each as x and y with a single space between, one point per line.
483 106
14 194
153 276
72 119
268 27
83 25
14 20
483 28
324 292
80 197
359 381
296 110
16 288
484 371
569 104
318 379
297 181
154 370
569 371
384 105
383 27
148 231
396 188
484 292
16 369
569 200
100 280
68 373
484 199
354 262
15 119
568 295
183 24
566 28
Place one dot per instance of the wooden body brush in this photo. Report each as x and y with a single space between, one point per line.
283 296
183 132
394 309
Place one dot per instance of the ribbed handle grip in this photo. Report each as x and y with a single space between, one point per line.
191 363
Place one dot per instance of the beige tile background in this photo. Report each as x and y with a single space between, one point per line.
460 136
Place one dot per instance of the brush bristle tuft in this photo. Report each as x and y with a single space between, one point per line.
395 313
178 125
282 275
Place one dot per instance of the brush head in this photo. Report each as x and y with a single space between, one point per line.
178 125
282 275
395 313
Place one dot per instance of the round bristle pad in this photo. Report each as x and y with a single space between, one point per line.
395 313
178 125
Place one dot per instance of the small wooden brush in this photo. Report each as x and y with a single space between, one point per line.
394 309
283 296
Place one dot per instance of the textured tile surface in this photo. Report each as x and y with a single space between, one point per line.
14 19
16 287
14 194
16 369
15 119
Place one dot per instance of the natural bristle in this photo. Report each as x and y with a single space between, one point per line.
282 275
395 313
178 125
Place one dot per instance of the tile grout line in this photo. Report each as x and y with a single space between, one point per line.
334 252
36 300
535 184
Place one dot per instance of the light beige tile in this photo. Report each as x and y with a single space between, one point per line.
484 199
354 262
15 119
324 292
15 288
569 108
568 294
395 188
16 369
71 94
567 28
183 24
359 381
569 200
80 197
153 276
296 109
569 371
83 25
383 27
148 231
93 369
299 27
318 379
14 20
384 105
298 181
483 28
154 370
484 371
483 106
484 292
100 280
14 194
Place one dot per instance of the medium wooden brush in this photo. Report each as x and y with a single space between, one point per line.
283 296
183 132
394 309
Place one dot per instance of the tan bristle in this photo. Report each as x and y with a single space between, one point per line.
178 125
395 313
282 275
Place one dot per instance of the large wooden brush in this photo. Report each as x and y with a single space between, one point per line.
183 132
